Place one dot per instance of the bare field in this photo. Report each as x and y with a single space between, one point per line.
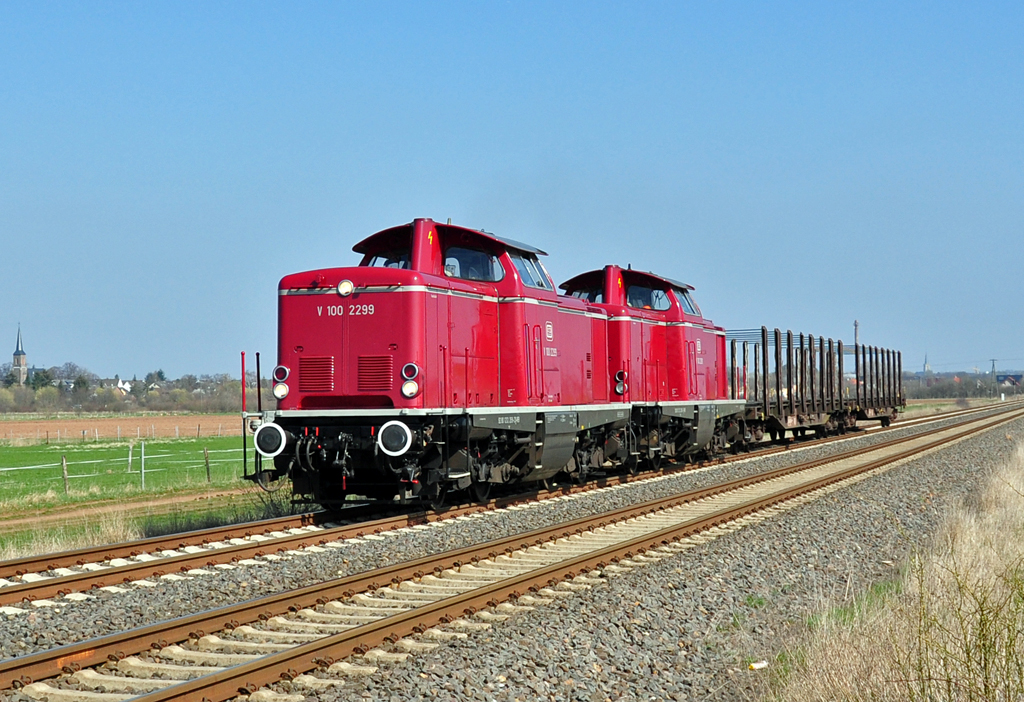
74 428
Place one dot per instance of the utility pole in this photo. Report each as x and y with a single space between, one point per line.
995 383
856 333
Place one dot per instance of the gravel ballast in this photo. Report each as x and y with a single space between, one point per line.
687 627
636 637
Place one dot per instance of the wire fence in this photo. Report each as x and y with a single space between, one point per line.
166 465
46 432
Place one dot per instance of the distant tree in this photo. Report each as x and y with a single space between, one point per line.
24 398
107 400
9 379
5 368
6 400
48 398
41 379
69 371
81 388
188 383
138 390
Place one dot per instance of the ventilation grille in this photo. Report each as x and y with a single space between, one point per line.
316 373
375 373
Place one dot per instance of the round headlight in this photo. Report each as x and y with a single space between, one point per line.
410 371
270 440
410 388
281 373
394 438
345 288
621 388
280 391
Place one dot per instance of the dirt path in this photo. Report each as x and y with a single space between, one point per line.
157 505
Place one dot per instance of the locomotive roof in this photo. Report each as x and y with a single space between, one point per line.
371 242
598 277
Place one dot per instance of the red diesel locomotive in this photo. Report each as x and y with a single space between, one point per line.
448 361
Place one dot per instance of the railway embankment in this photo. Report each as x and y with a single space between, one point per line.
688 628
684 627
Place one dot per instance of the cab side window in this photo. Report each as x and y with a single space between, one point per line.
689 306
471 264
645 297
530 270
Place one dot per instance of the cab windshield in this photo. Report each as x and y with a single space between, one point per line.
401 258
594 295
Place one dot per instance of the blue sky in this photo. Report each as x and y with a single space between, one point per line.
163 165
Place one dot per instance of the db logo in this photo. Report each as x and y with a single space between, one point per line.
549 330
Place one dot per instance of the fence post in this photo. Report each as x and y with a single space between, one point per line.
176 434
130 447
206 455
142 467
198 426
64 470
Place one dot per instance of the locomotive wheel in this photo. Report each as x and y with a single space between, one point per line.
437 496
632 465
481 492
656 460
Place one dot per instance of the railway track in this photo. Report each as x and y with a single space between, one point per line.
71 573
413 606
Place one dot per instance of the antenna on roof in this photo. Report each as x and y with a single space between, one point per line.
629 266
449 220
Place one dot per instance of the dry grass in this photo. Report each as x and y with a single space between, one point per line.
929 408
952 630
114 527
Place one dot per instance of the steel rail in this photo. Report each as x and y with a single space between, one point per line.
44 664
92 554
116 575
169 542
248 677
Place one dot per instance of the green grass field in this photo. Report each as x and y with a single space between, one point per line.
32 475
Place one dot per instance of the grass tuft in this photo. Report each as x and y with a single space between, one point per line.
951 629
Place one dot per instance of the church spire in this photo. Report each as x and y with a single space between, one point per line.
19 350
